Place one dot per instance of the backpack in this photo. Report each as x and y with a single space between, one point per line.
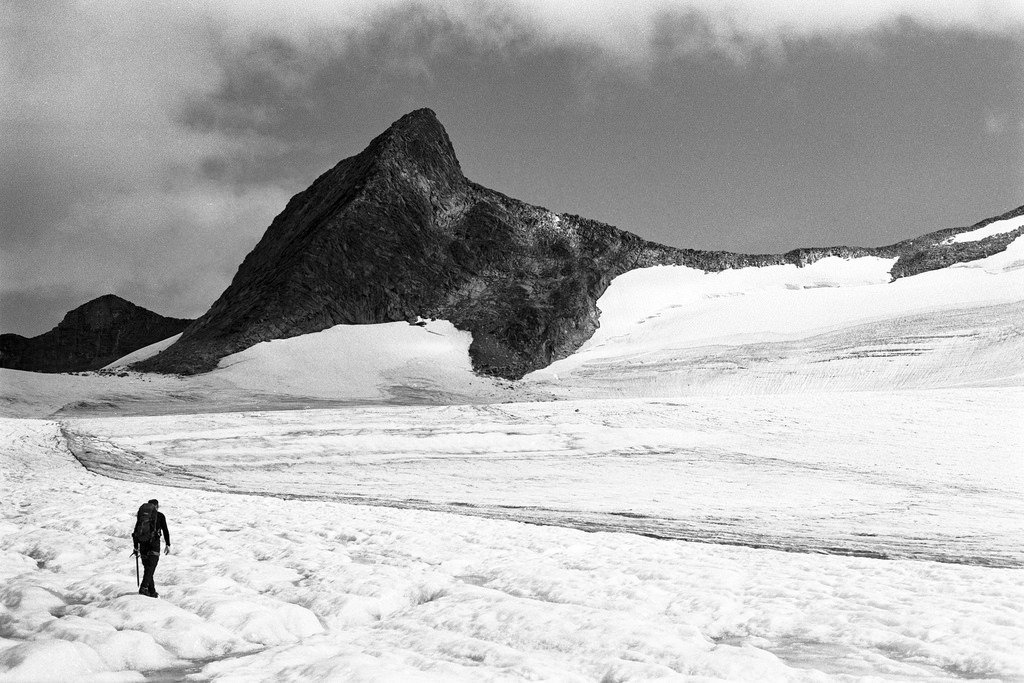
146 528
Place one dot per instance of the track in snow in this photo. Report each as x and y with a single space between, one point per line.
804 474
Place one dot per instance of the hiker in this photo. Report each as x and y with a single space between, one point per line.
149 524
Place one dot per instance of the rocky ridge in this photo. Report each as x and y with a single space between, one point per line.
397 232
89 337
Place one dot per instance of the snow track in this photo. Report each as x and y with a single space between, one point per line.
814 473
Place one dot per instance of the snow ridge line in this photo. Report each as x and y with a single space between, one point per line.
115 462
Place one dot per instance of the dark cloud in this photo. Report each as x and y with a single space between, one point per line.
301 107
32 201
714 139
93 199
33 312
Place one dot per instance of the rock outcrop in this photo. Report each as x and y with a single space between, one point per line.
935 250
89 337
397 232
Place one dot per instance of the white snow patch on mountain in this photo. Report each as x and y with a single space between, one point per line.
356 362
994 228
142 354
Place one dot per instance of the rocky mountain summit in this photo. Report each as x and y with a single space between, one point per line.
89 337
397 232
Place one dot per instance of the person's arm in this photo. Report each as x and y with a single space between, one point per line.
167 533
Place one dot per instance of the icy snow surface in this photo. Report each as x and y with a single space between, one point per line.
404 521
812 472
266 588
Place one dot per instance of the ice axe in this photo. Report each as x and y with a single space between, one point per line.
138 581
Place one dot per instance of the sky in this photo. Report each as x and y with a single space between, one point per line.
146 147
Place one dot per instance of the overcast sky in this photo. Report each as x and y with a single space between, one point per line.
145 147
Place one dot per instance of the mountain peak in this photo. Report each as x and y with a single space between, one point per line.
397 233
423 115
105 301
89 336
419 140
419 123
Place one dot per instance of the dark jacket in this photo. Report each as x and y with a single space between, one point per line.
161 527
161 524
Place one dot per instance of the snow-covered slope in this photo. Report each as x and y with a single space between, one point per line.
386 363
390 361
141 354
833 325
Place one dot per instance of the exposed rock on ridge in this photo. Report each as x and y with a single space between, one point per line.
89 337
932 251
397 232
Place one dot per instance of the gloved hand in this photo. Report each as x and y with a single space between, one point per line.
167 550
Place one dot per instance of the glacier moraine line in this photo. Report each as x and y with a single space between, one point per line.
119 463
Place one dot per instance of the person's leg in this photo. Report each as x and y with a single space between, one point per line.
149 561
147 573
155 554
155 557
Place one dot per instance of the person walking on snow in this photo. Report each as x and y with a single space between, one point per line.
149 525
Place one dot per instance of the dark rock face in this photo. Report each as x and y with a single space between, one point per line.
91 336
930 252
397 232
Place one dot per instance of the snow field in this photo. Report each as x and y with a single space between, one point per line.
958 348
260 588
363 362
817 472
835 325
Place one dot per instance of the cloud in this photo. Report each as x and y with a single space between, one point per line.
96 183
623 27
837 136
